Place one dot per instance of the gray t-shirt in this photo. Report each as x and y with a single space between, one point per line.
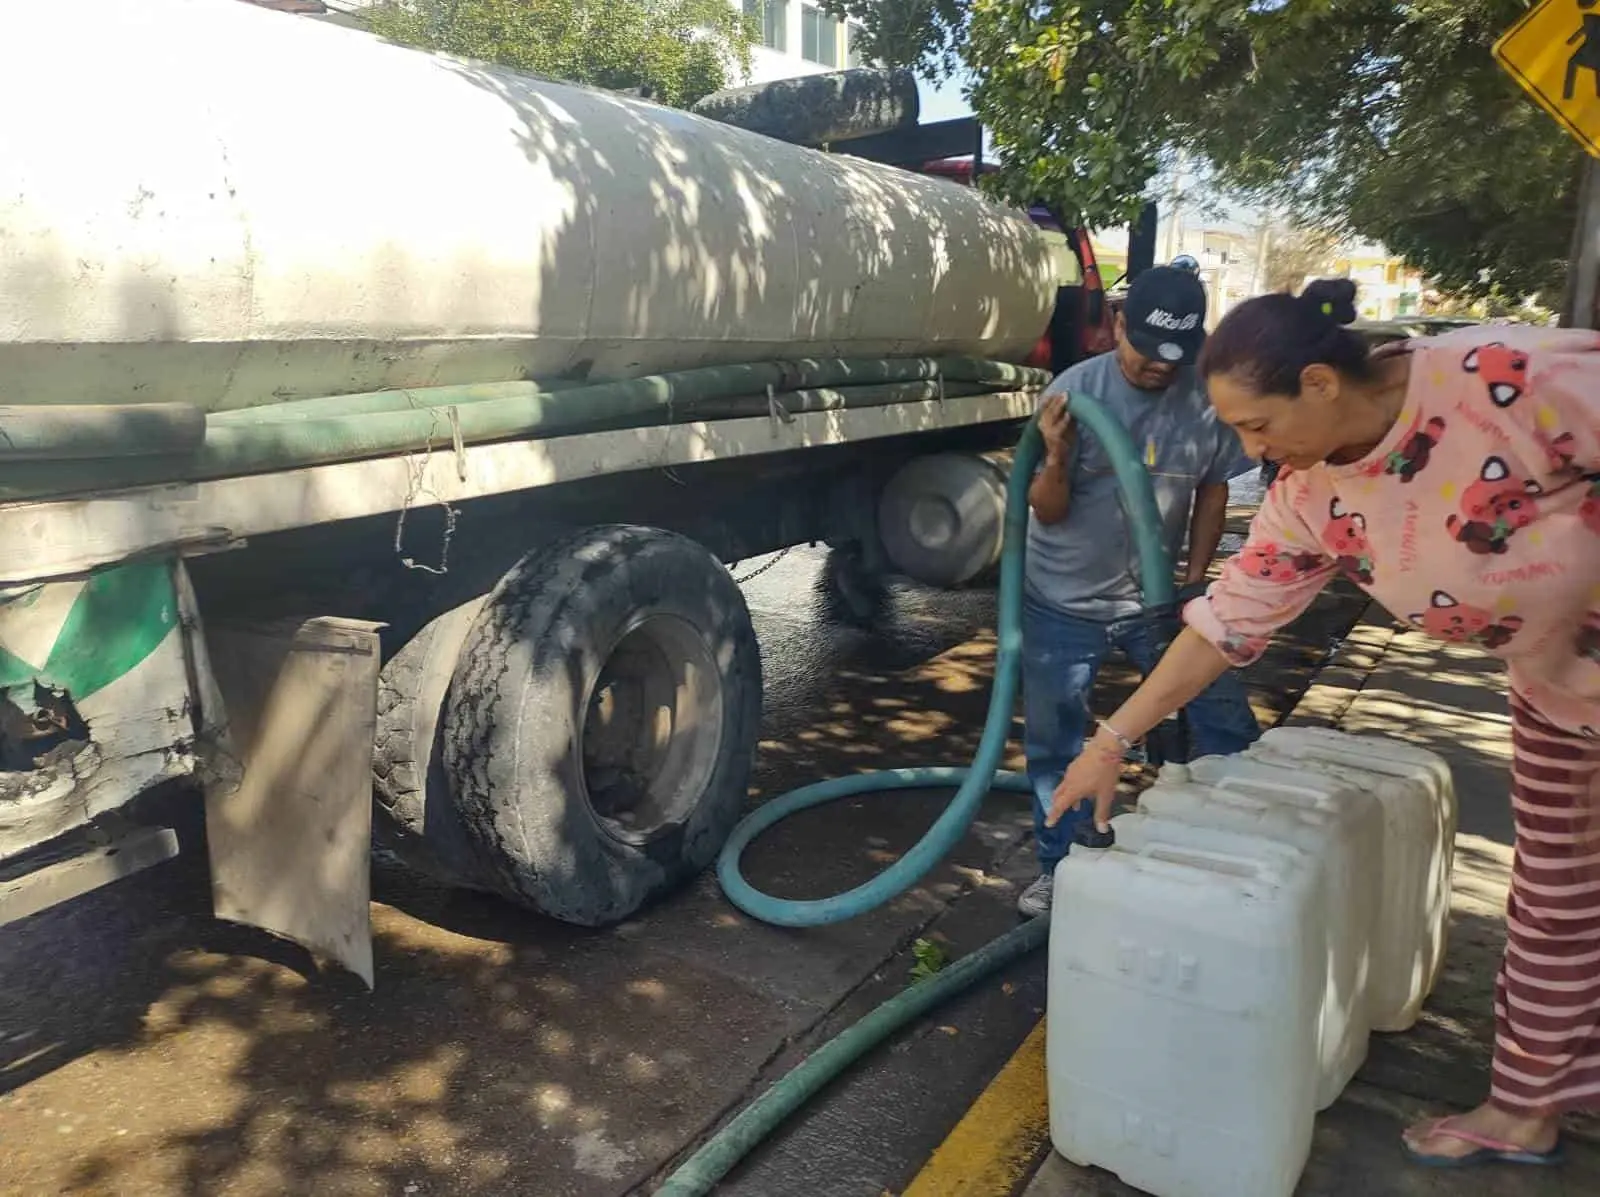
1087 565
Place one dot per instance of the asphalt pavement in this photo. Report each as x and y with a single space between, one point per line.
145 1048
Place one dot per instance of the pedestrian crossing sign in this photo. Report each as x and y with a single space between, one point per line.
1554 55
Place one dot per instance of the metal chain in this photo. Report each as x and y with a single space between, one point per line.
761 569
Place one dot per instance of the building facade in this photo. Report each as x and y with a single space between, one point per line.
1235 259
1387 287
797 38
793 37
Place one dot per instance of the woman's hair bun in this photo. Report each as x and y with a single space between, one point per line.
1333 297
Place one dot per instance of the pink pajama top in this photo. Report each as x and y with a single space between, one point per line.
1476 519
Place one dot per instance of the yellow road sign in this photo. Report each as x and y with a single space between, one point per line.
1554 53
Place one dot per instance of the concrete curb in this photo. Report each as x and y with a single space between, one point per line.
996 1147
1340 681
1010 1120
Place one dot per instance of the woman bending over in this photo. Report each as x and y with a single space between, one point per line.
1457 480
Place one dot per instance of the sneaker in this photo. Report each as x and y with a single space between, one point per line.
1035 900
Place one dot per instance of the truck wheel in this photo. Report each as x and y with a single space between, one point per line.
602 720
415 816
850 592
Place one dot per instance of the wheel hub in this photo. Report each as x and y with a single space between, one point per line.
652 729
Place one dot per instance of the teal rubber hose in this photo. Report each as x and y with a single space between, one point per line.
700 1173
984 774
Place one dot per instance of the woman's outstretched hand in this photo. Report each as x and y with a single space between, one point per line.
1186 669
1093 775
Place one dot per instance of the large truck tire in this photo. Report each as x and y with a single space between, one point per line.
415 817
602 721
850 592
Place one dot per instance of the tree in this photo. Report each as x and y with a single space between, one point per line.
1296 254
1389 119
674 51
1060 84
1386 120
929 35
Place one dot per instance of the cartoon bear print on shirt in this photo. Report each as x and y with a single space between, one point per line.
1346 535
1274 564
1494 508
1411 458
1588 639
1504 371
1462 623
1589 509
1559 452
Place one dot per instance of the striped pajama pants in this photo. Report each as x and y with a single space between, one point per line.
1547 997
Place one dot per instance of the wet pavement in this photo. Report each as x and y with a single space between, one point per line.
145 1048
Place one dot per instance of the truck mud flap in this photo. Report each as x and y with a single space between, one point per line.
289 828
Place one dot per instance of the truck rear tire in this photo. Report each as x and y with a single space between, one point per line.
602 720
416 818
849 592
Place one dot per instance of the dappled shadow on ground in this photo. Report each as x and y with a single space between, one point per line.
1451 700
145 1048
498 1054
476 1065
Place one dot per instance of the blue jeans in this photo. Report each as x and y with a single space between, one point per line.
1061 654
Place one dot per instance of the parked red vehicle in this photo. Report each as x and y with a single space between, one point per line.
1083 323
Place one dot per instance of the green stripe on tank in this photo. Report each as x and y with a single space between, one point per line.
121 617
14 671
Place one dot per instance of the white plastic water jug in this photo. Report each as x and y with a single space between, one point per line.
1367 746
1184 989
1137 830
1342 840
1417 796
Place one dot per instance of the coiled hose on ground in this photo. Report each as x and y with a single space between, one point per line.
58 450
717 1157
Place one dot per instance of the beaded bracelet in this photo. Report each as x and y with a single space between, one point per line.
1127 744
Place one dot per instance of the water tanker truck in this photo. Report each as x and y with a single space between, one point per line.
378 431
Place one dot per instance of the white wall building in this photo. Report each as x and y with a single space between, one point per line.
797 38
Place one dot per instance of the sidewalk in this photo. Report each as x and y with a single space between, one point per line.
1450 699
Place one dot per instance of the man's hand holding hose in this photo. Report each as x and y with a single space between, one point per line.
1189 666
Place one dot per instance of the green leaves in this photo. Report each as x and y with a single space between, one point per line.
676 50
1083 96
929 959
925 34
1391 121
1387 120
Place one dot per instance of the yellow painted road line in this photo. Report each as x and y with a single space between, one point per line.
991 1150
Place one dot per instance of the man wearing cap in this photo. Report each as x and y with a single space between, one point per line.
1082 594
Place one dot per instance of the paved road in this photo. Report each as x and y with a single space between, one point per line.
145 1048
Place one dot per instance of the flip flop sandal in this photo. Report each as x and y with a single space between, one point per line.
1490 1151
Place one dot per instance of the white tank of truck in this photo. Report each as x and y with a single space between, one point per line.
431 221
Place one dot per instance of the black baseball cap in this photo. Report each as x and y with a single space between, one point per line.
1166 315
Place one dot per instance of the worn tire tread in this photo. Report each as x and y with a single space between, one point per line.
401 774
552 588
